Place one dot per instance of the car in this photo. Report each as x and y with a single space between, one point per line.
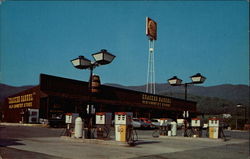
165 121
146 123
155 123
136 123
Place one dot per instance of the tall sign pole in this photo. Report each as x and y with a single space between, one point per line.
151 32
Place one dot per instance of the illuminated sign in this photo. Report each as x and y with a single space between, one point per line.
156 100
151 29
20 101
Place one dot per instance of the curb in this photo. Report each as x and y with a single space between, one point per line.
192 138
238 130
20 124
219 140
94 141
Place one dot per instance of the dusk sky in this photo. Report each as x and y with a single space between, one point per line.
200 36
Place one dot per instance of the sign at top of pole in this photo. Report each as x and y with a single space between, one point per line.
151 29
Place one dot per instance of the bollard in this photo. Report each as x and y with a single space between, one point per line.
169 133
78 127
85 133
83 129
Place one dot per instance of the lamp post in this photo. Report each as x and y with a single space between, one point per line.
102 57
245 112
175 81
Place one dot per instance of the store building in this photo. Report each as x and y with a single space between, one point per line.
55 96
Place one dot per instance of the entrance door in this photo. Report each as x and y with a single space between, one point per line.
33 115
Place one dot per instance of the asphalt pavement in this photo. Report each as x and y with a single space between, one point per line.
24 142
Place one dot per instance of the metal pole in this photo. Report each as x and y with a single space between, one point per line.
153 67
245 114
149 55
90 104
186 119
185 127
236 119
236 123
47 108
185 91
150 87
90 81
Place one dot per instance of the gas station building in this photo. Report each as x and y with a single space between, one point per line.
56 96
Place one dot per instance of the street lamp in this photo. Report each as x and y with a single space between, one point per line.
102 57
175 81
245 111
196 79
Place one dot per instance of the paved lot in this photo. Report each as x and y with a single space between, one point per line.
19 142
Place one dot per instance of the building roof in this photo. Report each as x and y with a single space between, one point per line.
69 88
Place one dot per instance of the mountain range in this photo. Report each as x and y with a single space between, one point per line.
6 90
212 99
237 93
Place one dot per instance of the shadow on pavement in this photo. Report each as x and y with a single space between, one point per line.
28 132
9 142
6 141
142 142
231 151
12 153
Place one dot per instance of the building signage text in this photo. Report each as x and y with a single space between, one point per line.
156 100
20 101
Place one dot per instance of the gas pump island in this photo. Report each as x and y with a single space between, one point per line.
125 133
123 126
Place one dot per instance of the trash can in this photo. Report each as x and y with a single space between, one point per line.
78 127
173 128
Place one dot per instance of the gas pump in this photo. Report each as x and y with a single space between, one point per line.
70 121
196 125
103 124
165 126
214 125
124 128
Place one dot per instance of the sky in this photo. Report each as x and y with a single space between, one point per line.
209 37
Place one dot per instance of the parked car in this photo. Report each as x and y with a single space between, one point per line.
155 123
136 123
165 121
146 123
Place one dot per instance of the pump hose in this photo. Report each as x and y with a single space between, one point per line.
92 133
156 132
107 131
223 136
131 135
